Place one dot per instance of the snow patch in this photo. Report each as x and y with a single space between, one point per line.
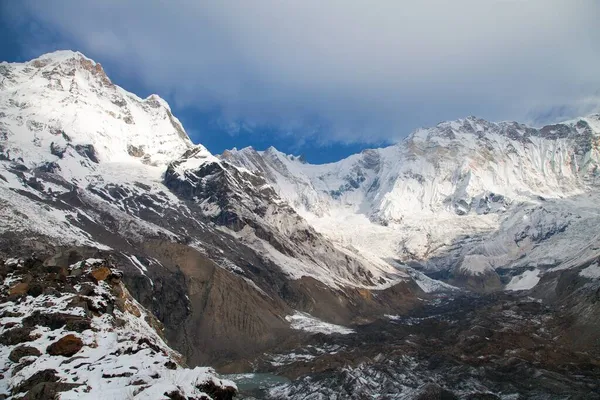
525 281
591 272
306 322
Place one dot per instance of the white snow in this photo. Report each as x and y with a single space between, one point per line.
375 208
306 322
525 281
429 285
403 202
199 157
90 262
591 272
65 92
138 263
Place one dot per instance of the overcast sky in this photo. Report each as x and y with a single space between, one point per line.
331 73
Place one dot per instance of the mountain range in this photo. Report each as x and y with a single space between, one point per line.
248 256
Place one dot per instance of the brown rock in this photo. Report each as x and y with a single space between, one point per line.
101 273
78 324
217 392
35 289
16 336
19 289
47 375
23 351
132 309
48 390
87 289
66 346
9 325
57 320
170 365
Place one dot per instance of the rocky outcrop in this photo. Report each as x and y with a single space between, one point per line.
231 317
480 282
578 296
66 346
23 351
85 320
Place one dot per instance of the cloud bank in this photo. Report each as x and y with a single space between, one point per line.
345 71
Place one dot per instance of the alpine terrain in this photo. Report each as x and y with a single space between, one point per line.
463 262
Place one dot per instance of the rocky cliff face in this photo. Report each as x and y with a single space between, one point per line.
464 166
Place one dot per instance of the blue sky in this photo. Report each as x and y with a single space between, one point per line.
327 79
21 42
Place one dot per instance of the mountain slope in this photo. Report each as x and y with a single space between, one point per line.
84 163
434 197
67 100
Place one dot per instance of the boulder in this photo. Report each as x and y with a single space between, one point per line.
78 324
66 346
19 289
16 336
101 273
218 392
57 320
35 289
48 390
23 351
46 375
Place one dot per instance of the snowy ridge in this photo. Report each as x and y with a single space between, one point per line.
75 148
418 199
67 100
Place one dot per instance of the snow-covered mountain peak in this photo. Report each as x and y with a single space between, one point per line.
467 173
65 100
62 55
68 62
481 129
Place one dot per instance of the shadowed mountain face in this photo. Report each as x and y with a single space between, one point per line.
366 268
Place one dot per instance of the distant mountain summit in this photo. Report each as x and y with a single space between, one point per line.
428 198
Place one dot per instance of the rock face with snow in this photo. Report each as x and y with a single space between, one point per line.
70 105
465 166
75 331
84 163
470 197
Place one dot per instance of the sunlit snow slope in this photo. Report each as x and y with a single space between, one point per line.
439 193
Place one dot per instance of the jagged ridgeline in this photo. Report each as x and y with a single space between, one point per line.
257 261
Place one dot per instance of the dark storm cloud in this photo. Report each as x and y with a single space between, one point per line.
346 70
